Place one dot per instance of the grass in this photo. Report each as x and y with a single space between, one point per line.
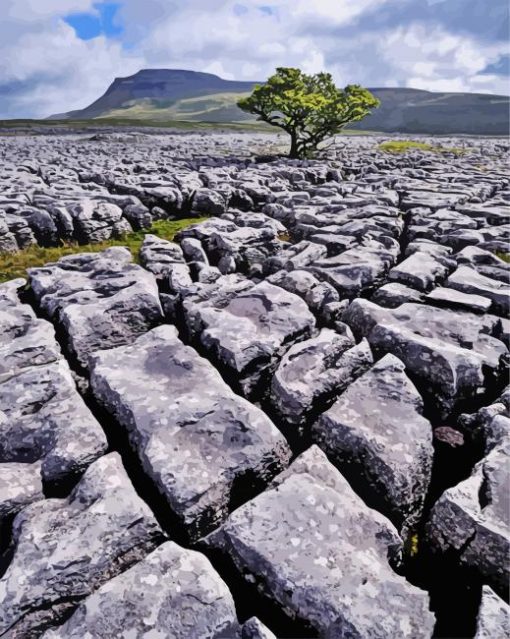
402 146
503 256
14 265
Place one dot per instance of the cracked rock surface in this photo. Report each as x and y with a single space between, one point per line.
290 421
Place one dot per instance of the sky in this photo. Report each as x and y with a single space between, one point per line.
58 55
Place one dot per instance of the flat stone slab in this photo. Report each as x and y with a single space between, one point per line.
313 372
173 592
454 355
196 440
99 300
451 298
66 548
312 545
42 416
376 435
247 335
467 280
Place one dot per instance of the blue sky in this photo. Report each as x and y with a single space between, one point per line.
57 55
101 22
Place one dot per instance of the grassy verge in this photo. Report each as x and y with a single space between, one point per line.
402 146
14 265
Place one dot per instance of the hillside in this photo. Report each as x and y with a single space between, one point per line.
169 94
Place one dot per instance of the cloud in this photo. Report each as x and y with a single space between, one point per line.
46 67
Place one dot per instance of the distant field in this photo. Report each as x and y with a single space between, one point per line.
19 126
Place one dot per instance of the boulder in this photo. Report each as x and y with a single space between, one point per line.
247 335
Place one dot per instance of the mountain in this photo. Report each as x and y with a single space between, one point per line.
171 94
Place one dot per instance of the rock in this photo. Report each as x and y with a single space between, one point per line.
94 220
20 485
197 441
193 250
493 616
471 521
208 202
255 629
313 372
315 293
313 546
394 294
376 435
451 298
421 270
99 300
248 334
358 269
467 280
454 356
173 592
66 548
43 418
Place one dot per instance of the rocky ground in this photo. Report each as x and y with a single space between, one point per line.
292 421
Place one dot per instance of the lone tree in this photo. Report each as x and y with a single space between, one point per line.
310 108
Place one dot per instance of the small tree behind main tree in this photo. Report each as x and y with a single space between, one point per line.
310 108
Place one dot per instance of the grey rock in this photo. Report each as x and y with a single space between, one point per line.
66 548
451 298
99 300
255 629
450 353
313 372
196 440
20 485
173 592
421 270
472 520
376 435
248 335
43 416
314 547
467 280
493 616
394 294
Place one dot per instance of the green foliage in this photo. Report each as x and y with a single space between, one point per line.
402 146
310 108
14 265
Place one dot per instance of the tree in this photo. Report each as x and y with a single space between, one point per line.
310 108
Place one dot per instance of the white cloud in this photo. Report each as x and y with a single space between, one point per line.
48 68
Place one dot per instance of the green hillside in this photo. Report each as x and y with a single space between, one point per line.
162 96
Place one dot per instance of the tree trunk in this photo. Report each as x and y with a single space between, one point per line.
293 145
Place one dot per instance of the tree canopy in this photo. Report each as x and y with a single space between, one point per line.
310 108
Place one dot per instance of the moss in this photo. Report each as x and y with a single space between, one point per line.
14 265
412 545
402 146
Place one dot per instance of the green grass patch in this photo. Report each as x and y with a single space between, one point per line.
402 146
503 256
14 265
